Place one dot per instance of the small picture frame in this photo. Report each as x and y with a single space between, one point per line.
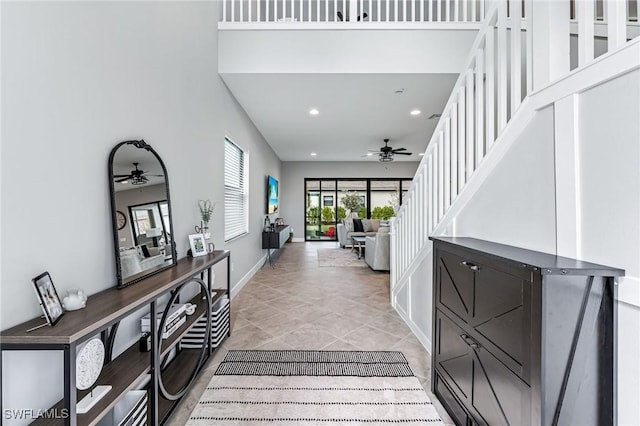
48 298
198 245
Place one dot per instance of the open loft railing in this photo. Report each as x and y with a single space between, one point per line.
352 11
510 58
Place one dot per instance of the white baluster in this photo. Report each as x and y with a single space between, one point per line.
456 10
438 10
430 10
474 15
378 10
433 186
516 54
424 220
465 15
447 163
440 147
490 85
233 10
267 15
462 134
454 150
395 10
386 16
616 24
480 113
482 10
470 124
259 11
224 10
585 12
361 11
501 53
413 11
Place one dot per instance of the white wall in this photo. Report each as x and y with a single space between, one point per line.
292 198
339 51
77 78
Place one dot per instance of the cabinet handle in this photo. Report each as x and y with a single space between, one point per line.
469 341
470 266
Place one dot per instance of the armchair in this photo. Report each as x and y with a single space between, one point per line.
377 251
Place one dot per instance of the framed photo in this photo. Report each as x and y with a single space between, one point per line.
198 245
48 297
327 200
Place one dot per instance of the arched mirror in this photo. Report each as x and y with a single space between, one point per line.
141 212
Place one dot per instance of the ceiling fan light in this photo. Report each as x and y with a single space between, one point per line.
385 158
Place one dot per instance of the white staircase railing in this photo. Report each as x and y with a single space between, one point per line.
352 11
499 73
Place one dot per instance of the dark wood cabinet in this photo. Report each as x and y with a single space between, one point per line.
522 337
277 238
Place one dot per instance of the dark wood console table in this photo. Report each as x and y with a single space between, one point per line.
275 239
101 316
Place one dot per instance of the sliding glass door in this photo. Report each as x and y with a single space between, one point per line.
324 208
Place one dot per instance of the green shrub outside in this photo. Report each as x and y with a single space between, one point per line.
383 213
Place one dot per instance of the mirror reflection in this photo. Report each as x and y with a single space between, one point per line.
142 212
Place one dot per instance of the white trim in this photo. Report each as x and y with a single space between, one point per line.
629 291
268 26
297 240
602 69
422 338
235 289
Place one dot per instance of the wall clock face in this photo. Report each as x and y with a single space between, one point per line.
89 362
122 219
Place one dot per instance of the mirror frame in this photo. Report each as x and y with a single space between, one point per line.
140 144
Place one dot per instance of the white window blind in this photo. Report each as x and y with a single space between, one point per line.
235 191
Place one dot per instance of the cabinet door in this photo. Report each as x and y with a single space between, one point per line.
502 316
499 396
491 392
455 283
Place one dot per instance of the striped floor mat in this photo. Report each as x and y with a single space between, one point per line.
314 388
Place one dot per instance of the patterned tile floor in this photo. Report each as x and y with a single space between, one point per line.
298 305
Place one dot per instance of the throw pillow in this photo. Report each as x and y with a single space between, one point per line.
366 225
375 224
357 225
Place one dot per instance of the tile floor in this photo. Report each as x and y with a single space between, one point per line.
298 305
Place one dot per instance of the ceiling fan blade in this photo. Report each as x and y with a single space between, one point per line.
399 149
119 176
403 153
122 179
147 174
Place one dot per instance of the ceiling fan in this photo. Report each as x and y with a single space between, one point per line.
386 152
136 177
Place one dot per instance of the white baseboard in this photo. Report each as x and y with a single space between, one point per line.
422 338
245 279
297 240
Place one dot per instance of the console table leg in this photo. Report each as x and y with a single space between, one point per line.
70 396
155 368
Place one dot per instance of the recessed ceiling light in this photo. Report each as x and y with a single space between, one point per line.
314 111
369 154
313 154
421 154
415 112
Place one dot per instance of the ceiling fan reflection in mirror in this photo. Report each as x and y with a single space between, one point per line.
386 152
136 177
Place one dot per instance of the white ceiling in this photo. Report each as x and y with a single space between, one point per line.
357 111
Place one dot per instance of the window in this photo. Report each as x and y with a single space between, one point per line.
236 222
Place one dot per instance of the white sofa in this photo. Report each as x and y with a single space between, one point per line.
377 250
344 235
133 262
